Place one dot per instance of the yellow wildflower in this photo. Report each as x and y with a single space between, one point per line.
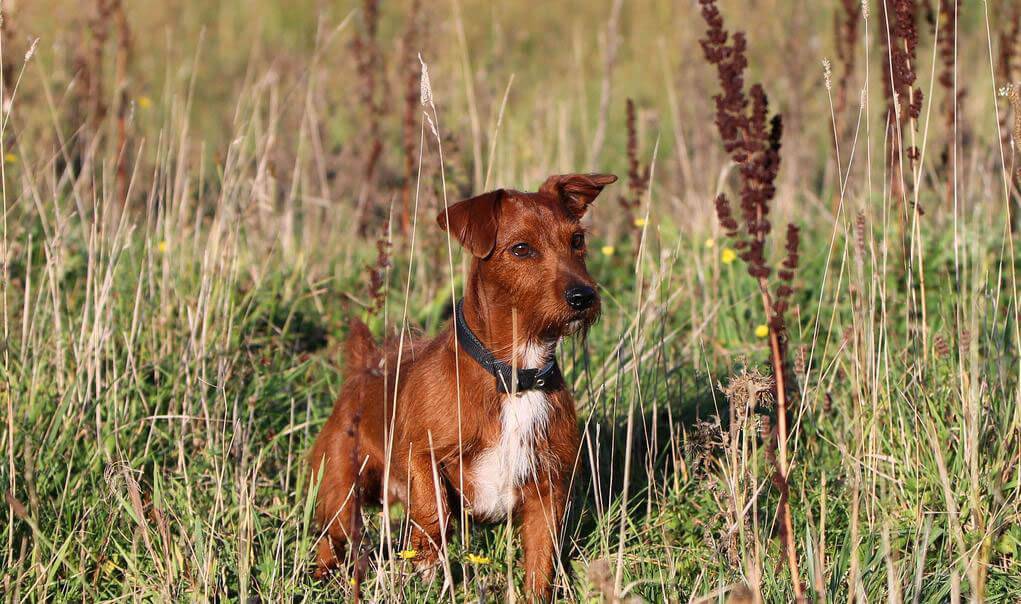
639 222
608 250
478 560
109 567
710 243
162 246
10 158
761 331
144 102
728 256
408 554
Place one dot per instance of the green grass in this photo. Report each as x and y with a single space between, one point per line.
165 368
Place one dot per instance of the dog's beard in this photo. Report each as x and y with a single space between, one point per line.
576 323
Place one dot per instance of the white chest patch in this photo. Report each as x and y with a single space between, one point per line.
501 469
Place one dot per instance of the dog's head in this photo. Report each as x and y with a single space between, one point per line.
529 250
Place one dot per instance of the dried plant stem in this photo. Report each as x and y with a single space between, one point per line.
469 91
369 65
638 179
1009 40
846 35
904 101
409 65
781 477
753 140
946 35
124 46
611 44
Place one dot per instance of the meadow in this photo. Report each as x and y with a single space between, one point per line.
197 196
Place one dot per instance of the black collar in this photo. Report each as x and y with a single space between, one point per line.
547 378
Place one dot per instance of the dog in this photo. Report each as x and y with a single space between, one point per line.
481 411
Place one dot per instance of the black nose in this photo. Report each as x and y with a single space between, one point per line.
580 297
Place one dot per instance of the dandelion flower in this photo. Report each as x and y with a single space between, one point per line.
761 331
728 256
608 250
408 554
639 222
10 158
478 560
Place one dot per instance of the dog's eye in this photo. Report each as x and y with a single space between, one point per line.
521 250
578 241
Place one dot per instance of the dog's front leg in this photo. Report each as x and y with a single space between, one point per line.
427 509
543 503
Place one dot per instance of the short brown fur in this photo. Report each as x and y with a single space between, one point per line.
415 391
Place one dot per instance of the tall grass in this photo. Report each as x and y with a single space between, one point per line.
171 308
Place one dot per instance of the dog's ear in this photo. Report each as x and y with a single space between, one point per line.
473 222
577 191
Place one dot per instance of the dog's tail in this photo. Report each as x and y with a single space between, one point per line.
360 351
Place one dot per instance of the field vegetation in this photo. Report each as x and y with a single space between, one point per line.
198 196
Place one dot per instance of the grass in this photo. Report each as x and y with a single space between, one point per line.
166 365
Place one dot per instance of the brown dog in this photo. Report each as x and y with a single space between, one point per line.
482 408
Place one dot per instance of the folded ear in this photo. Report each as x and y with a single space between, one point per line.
473 222
577 191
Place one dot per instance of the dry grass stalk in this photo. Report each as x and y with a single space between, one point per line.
610 44
123 63
750 400
356 526
846 34
99 28
600 575
412 93
8 32
899 37
90 107
377 272
1014 96
638 177
369 66
1009 40
752 139
953 95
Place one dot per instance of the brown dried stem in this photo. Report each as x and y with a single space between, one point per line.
412 93
377 273
899 37
369 66
953 96
638 177
846 29
124 47
753 141
1006 67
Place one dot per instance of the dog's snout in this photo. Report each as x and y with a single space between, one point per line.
580 297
